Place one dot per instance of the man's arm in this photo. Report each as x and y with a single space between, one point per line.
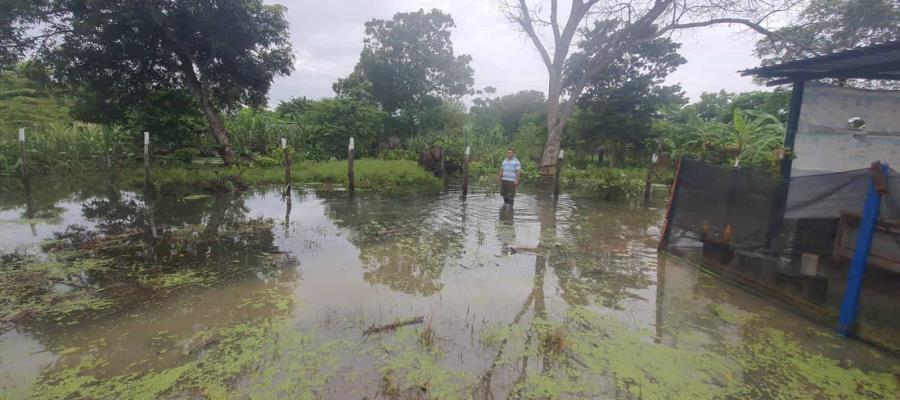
500 175
518 173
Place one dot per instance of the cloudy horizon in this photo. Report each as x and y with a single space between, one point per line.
328 36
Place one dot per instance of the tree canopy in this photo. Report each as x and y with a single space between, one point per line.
225 54
825 26
626 24
408 62
506 111
620 101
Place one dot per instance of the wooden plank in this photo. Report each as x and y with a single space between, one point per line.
670 208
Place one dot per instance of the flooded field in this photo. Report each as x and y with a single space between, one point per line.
404 294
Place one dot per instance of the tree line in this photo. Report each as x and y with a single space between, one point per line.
198 73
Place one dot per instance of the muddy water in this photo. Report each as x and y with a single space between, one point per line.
112 293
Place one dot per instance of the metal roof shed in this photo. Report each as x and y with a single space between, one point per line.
875 62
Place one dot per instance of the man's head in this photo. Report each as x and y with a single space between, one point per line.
510 153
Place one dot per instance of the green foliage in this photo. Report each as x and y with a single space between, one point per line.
258 131
369 173
407 62
124 52
825 26
171 116
608 183
332 122
506 111
529 140
720 106
621 100
165 37
18 18
26 102
66 145
752 139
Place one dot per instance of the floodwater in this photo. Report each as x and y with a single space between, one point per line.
172 292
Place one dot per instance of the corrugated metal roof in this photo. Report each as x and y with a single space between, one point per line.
881 61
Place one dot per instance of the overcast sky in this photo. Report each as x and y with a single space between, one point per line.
327 38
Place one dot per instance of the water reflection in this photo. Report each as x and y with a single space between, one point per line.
107 284
400 245
559 296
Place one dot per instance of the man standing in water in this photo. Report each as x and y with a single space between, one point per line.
508 177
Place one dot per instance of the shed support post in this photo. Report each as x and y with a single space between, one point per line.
850 304
779 203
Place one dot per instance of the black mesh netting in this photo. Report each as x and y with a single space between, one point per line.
722 204
791 240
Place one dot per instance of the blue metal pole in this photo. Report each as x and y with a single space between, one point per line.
850 305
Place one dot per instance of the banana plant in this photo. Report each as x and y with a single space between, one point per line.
753 137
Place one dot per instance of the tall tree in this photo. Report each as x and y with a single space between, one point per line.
225 53
408 62
620 102
635 22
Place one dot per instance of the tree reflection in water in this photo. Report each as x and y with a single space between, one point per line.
401 246
113 264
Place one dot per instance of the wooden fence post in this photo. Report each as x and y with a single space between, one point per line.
149 193
648 186
24 153
559 165
465 188
443 169
287 167
147 156
26 180
350 184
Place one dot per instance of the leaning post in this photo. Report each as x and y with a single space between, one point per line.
465 188
24 153
287 167
559 165
867 224
350 184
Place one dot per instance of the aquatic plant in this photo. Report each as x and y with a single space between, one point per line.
408 367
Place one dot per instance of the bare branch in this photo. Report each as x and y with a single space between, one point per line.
553 22
756 26
520 15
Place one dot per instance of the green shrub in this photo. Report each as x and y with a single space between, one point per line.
186 155
609 183
398 154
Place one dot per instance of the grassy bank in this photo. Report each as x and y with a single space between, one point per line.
605 182
369 173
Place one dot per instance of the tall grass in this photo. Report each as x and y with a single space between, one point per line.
259 132
369 173
73 145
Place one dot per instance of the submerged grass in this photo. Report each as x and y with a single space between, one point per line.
271 360
766 363
84 275
413 369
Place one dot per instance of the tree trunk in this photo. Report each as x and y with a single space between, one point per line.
199 88
554 123
551 148
218 132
